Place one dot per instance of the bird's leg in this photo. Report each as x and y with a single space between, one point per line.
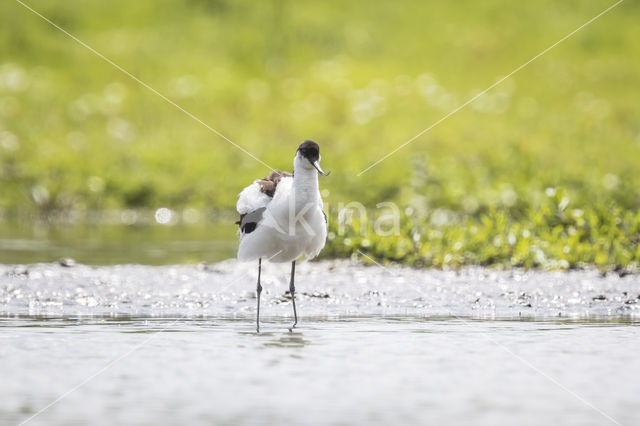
258 290
292 291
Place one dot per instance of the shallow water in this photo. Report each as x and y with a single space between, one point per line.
169 345
112 243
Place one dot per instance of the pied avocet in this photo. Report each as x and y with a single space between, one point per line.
281 217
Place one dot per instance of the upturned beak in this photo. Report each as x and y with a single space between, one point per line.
316 164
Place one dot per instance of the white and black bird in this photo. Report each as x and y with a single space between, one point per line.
281 217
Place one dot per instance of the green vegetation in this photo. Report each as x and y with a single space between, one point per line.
542 171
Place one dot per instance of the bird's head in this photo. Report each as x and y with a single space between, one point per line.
308 156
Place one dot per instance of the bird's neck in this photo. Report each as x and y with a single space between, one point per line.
305 185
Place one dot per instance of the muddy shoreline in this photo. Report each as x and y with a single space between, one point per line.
325 288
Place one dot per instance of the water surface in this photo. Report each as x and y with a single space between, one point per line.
339 371
148 345
103 243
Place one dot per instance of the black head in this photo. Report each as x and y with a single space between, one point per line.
311 151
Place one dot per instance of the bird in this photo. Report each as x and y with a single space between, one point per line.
282 217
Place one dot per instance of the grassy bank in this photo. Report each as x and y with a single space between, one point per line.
542 171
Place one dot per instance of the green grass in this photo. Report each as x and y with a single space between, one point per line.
542 171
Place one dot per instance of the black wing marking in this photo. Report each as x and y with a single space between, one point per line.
325 216
249 221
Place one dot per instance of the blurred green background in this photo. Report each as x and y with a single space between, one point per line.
542 171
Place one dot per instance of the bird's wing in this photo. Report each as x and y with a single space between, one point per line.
249 221
260 192
252 198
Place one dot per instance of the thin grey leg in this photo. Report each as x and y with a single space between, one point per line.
258 290
292 291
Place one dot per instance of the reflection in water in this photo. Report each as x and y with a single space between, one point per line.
286 340
109 243
371 370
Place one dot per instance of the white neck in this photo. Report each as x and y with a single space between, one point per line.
305 181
